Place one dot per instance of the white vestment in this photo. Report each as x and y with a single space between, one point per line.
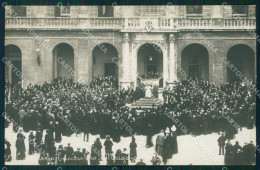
148 91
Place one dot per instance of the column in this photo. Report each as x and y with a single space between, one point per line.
172 59
125 61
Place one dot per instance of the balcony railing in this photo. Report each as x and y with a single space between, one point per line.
130 24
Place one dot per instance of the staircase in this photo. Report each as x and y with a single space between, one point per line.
147 103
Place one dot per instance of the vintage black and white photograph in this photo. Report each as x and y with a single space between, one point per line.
130 85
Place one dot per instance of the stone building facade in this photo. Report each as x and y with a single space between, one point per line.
126 41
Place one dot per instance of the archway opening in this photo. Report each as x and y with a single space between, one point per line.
13 56
150 61
195 61
63 57
242 58
104 59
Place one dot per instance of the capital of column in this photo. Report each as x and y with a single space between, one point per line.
172 38
126 38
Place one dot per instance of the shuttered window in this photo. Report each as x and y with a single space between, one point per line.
240 10
150 11
194 9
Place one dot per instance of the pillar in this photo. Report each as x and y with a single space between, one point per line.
172 64
125 83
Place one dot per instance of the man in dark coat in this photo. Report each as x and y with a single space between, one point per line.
166 150
250 153
20 146
31 143
79 157
69 152
38 139
229 154
237 153
221 144
52 152
133 153
108 145
48 139
57 132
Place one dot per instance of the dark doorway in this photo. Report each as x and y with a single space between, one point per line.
195 61
193 71
233 77
242 58
152 69
110 69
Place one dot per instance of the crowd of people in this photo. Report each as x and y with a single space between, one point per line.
99 108
235 154
209 108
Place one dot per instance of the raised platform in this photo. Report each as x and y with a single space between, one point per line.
147 103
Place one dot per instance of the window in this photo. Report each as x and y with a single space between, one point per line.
150 11
19 11
239 10
194 9
105 11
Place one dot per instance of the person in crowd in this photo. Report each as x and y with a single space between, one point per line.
159 142
133 152
43 159
98 146
69 153
167 149
229 154
94 157
108 146
174 140
79 157
21 114
52 153
221 144
85 156
58 132
249 153
60 155
237 153
38 139
7 154
118 157
20 148
31 143
48 139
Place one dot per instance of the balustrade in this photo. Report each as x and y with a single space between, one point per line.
131 23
